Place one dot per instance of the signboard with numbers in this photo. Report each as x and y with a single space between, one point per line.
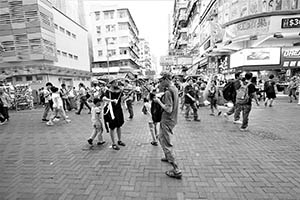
290 22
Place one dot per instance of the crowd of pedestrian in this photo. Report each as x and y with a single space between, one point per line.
161 101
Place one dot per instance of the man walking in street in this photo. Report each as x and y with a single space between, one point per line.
190 100
229 93
129 98
169 104
83 99
244 97
48 101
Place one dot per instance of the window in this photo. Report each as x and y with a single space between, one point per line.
18 78
68 33
64 54
100 53
99 40
62 29
58 52
123 26
98 28
73 35
97 15
122 14
123 51
55 26
110 28
70 55
111 52
109 14
75 57
39 78
28 78
111 40
123 39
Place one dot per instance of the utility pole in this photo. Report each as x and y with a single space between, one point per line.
107 56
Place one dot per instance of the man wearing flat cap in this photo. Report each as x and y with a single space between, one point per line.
169 103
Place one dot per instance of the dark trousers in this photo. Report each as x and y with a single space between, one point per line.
4 113
130 108
188 107
245 109
66 104
82 103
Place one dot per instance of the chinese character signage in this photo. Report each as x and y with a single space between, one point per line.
290 56
290 22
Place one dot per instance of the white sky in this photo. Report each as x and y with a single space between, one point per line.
151 18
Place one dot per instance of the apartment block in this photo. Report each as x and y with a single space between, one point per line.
114 36
145 55
41 44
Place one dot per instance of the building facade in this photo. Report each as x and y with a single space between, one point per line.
34 34
145 58
225 36
115 42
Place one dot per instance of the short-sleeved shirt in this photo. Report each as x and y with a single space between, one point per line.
170 98
251 90
96 114
189 89
57 101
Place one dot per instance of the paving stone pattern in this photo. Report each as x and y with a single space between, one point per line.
218 161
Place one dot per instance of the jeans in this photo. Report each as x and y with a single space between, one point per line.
46 111
233 111
245 109
188 107
130 109
66 104
4 113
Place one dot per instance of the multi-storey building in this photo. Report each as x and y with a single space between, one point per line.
41 44
145 55
115 41
251 35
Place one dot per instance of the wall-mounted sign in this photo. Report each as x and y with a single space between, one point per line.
258 56
290 22
290 56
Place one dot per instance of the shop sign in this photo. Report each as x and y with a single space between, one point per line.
250 27
258 56
290 22
167 60
290 57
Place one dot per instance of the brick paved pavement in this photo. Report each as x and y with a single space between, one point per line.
218 161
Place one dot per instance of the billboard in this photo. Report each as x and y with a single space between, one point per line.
254 57
175 60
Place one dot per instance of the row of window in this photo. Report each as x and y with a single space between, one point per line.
112 52
113 40
28 78
65 54
110 14
65 31
112 27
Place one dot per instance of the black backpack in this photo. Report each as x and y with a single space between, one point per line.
229 91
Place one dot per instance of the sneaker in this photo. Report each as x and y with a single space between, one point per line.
244 129
90 141
270 105
121 143
68 120
89 112
154 143
50 123
266 104
56 119
2 123
115 147
45 120
197 120
101 143
237 122
225 116
212 114
219 113
77 113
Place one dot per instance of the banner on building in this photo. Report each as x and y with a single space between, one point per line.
290 56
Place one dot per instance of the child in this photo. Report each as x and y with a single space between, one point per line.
97 123
58 108
152 123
